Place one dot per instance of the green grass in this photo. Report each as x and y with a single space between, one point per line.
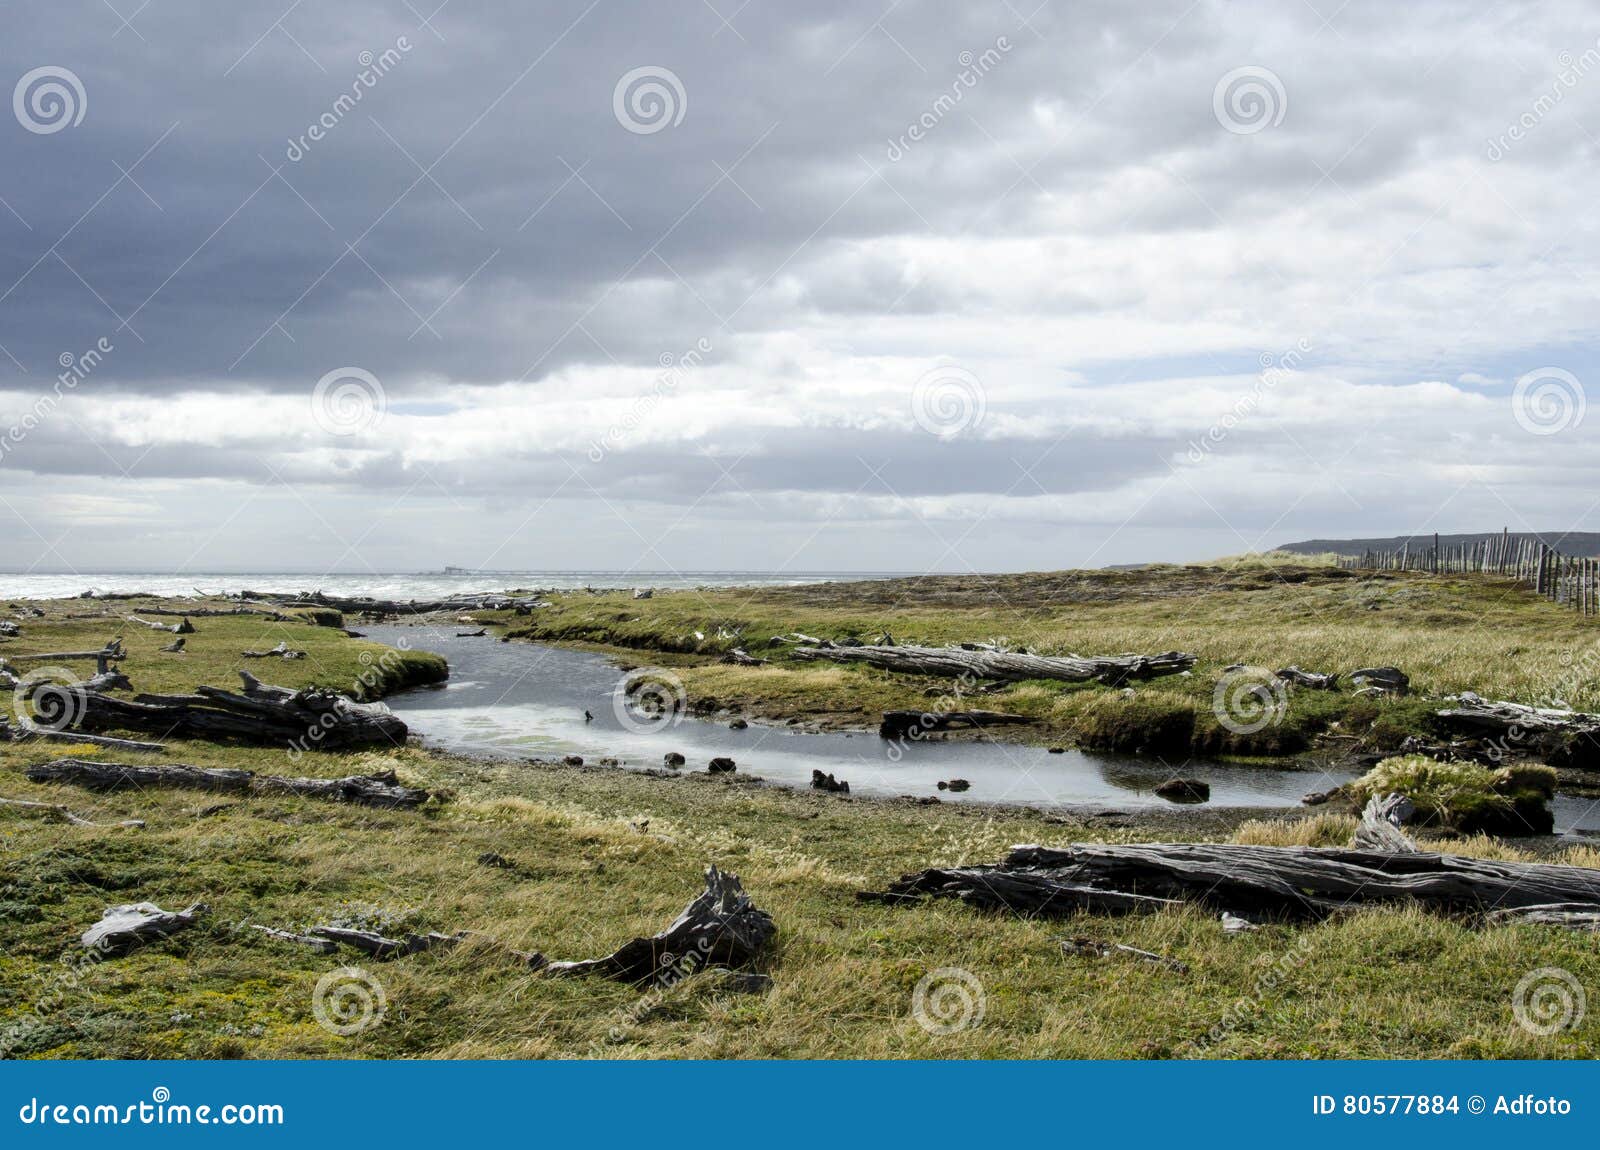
1449 633
603 855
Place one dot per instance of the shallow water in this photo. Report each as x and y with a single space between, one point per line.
427 585
521 700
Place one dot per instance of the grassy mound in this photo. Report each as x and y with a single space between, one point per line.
1465 796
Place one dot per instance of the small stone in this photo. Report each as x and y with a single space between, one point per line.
673 759
573 760
1056 751
1184 791
722 765
496 860
738 725
955 785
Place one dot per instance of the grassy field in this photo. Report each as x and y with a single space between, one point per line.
1448 633
602 855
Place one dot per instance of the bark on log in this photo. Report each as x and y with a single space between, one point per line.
1391 680
1005 666
739 657
25 733
720 927
123 928
1305 883
381 790
915 724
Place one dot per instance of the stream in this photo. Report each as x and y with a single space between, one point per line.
527 700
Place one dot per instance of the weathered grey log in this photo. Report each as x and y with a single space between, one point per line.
739 657
281 651
380 947
1477 714
382 790
1379 829
1573 916
9 629
183 627
56 810
123 928
915 724
719 927
1027 892
1255 881
263 714
1004 666
26 731
1308 679
320 945
478 634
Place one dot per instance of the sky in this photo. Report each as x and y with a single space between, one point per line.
890 286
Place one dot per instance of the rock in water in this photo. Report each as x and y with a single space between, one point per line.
1184 791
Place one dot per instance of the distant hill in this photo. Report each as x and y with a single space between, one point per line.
1581 543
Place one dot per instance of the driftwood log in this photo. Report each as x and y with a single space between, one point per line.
1560 737
720 927
1097 948
123 928
380 947
1387 680
1306 883
1573 916
915 724
281 651
1309 679
1379 829
320 945
380 790
263 714
1005 666
25 731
